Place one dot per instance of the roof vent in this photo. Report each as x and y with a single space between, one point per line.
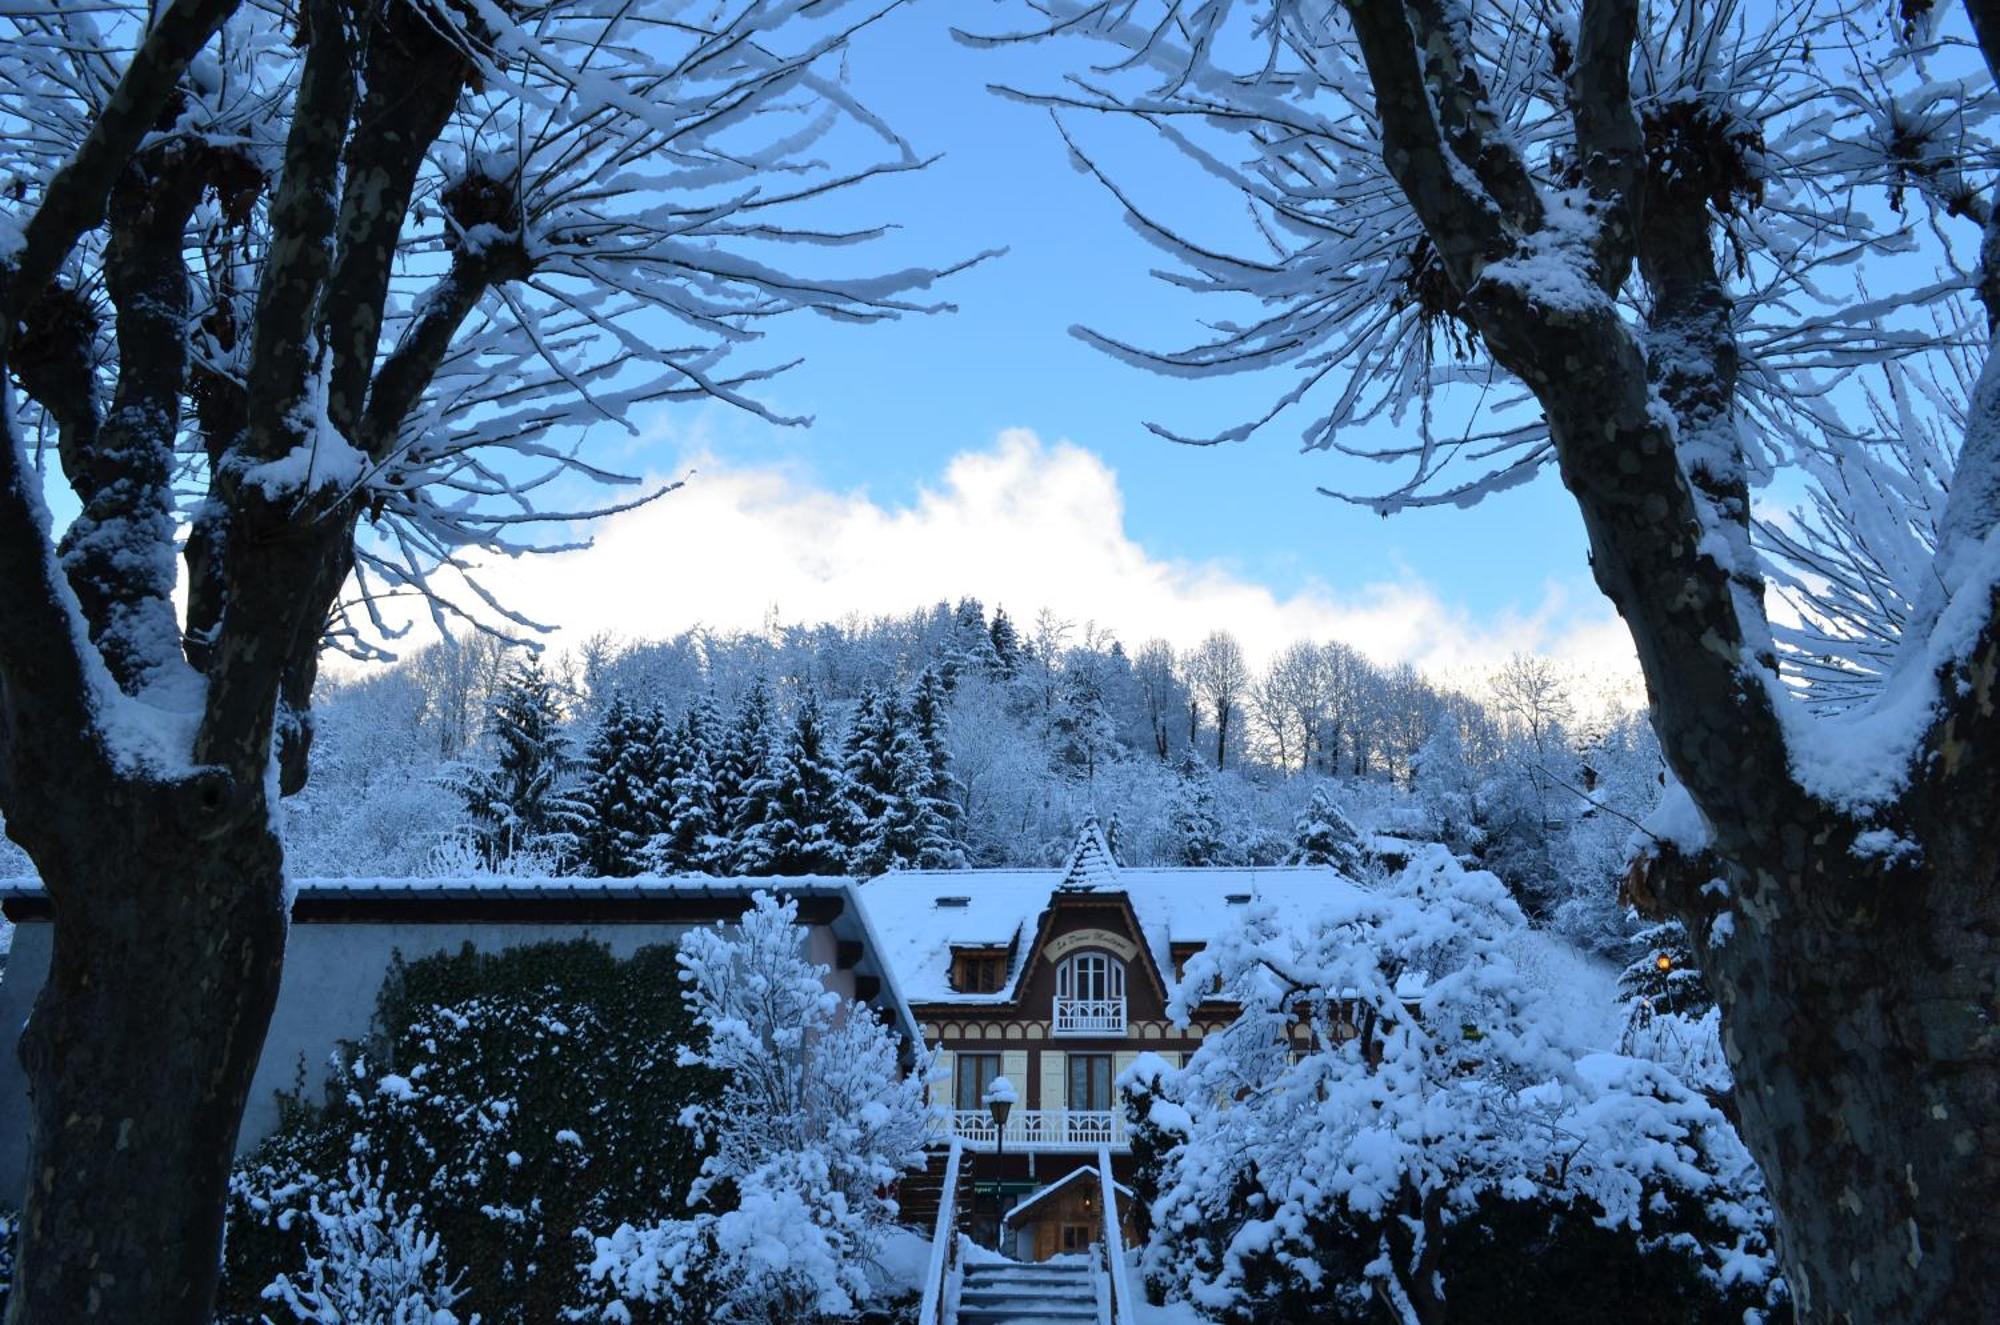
1237 899
954 901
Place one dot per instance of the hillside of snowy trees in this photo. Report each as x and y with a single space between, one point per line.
958 737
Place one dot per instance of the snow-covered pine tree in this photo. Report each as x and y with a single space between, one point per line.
1324 835
618 791
741 763
1191 813
1006 642
970 647
940 813
518 802
804 792
1662 973
887 772
692 841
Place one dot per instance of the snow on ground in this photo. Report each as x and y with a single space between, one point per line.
1581 989
903 1257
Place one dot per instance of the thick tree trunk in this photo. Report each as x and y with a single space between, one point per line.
139 1057
1875 1111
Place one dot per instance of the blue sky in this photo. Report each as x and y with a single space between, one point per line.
894 404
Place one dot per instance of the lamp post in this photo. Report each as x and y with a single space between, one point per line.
999 1100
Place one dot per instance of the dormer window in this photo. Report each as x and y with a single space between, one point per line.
979 970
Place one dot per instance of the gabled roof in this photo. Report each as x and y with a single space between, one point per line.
1003 908
1040 1194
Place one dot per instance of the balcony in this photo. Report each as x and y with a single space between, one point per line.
1089 1016
1037 1129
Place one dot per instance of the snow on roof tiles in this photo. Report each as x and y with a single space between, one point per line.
1181 905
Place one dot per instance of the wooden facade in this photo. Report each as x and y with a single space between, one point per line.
1064 1069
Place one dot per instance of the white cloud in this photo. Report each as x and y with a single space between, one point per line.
1022 524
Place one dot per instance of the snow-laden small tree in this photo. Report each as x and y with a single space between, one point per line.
314 301
1387 1073
368 1261
1324 835
1192 815
817 1122
518 796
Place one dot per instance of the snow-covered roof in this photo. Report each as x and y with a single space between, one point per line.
921 915
1041 1194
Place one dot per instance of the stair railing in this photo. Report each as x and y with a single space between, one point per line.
1123 1306
944 1243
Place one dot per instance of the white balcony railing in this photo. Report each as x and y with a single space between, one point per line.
1090 1016
1040 1129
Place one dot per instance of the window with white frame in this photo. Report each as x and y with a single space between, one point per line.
1091 976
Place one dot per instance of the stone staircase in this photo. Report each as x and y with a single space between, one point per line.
1060 1292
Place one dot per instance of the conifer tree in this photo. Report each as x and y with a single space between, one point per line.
1663 973
1192 814
518 803
890 823
1324 835
939 806
1006 642
970 647
741 767
805 795
616 795
692 842
1085 736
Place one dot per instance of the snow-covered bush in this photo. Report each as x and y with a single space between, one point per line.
368 1262
518 1097
816 1122
1389 1084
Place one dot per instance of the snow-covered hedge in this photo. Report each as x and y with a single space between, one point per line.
516 1098
1395 1121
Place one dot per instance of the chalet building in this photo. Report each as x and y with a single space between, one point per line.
1057 980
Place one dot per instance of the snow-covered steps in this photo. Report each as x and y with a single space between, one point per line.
1013 1293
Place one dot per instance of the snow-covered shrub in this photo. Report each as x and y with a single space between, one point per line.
519 1096
1392 1097
817 1121
368 1262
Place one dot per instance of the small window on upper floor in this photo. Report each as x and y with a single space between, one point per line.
979 972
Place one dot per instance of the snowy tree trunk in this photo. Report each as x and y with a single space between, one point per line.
139 1056
1859 1022
1857 982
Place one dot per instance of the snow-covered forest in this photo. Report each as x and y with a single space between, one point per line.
955 737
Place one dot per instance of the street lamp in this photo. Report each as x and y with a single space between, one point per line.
999 1099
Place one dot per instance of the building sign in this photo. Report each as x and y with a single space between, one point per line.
1118 944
